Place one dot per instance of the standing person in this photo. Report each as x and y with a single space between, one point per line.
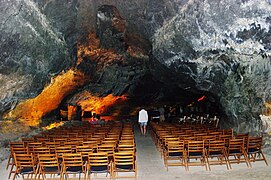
162 114
143 120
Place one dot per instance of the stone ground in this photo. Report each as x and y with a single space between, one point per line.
151 166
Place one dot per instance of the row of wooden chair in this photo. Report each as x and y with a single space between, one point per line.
209 148
109 140
73 163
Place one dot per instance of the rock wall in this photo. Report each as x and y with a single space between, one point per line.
229 43
221 48
31 51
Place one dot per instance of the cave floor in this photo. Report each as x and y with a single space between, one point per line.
151 166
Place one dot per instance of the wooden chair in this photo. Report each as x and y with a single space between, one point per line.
13 144
217 154
174 153
228 132
196 155
48 164
236 150
126 147
108 148
73 164
243 136
25 165
98 163
123 165
61 150
32 145
84 150
254 150
17 150
40 150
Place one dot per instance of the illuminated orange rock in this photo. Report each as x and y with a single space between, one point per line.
99 105
267 110
32 110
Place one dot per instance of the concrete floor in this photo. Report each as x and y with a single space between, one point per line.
151 166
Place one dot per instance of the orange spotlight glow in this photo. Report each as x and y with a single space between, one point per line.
99 105
32 110
53 125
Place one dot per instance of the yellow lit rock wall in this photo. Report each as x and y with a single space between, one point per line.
32 110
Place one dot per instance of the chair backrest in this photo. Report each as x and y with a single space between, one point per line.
217 145
24 161
243 136
84 150
195 147
19 150
72 159
228 132
60 150
109 148
98 159
126 147
41 150
175 146
236 145
48 161
32 145
124 158
254 143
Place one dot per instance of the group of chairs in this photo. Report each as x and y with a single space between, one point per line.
205 145
77 150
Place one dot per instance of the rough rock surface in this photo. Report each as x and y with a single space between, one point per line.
219 48
31 51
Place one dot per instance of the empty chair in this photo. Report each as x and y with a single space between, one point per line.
109 148
217 154
60 150
73 164
84 150
236 152
228 132
243 136
40 150
98 163
32 145
17 150
254 150
196 154
25 165
124 165
174 153
13 144
126 147
48 164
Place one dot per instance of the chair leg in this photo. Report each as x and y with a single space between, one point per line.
11 170
8 162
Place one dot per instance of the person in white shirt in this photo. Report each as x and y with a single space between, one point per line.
143 120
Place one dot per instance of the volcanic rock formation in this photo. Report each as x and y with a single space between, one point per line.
140 52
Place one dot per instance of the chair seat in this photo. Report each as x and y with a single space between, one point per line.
195 154
27 170
74 169
237 151
50 169
253 150
214 153
174 154
100 169
124 167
